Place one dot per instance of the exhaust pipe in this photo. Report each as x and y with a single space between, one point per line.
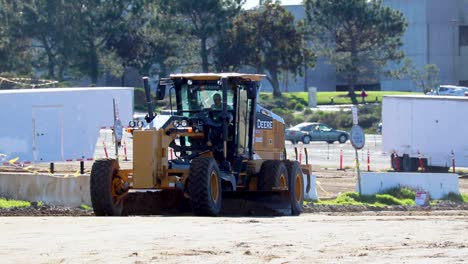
149 102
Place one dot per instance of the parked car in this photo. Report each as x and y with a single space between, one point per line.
379 128
307 132
452 90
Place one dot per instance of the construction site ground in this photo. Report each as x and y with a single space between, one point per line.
322 234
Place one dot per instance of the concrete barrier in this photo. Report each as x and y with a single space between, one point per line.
437 184
70 191
56 190
312 194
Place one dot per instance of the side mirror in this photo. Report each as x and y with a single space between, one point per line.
162 85
161 91
252 90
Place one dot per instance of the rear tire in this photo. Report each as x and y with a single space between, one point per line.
296 187
274 176
103 198
342 139
205 187
306 140
393 162
409 164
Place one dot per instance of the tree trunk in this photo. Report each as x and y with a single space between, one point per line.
204 55
275 83
352 76
94 65
306 86
352 84
50 59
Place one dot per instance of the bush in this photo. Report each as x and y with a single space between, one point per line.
307 111
299 119
401 193
299 107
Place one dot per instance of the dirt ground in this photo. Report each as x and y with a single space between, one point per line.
322 234
309 238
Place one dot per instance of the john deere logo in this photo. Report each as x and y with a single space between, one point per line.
264 122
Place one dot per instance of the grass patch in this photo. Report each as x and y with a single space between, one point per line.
324 98
86 207
394 196
7 203
461 198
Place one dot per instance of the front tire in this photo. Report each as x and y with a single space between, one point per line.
205 187
342 139
296 187
105 198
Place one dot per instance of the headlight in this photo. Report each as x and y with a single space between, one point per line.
184 123
176 123
140 124
131 124
189 82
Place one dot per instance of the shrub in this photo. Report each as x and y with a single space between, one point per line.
307 111
299 107
299 119
401 193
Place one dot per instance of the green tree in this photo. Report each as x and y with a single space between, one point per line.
356 36
45 22
269 40
426 78
206 20
159 44
94 24
15 53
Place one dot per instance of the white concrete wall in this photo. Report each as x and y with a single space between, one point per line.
58 190
71 191
437 184
312 194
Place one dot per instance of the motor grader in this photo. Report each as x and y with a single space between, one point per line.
202 152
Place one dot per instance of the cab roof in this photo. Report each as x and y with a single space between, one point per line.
217 76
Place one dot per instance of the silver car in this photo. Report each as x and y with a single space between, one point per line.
307 132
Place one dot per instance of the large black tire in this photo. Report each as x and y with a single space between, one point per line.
205 187
296 187
393 162
103 200
273 176
409 164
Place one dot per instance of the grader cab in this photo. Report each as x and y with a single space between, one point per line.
217 140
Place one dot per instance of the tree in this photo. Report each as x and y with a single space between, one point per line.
156 42
269 40
45 22
356 35
206 20
426 78
94 24
15 53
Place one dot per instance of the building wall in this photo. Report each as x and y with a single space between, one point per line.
432 37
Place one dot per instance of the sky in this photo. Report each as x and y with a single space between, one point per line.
253 3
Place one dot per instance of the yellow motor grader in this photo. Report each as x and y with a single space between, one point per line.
204 149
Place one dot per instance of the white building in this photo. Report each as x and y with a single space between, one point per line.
437 34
